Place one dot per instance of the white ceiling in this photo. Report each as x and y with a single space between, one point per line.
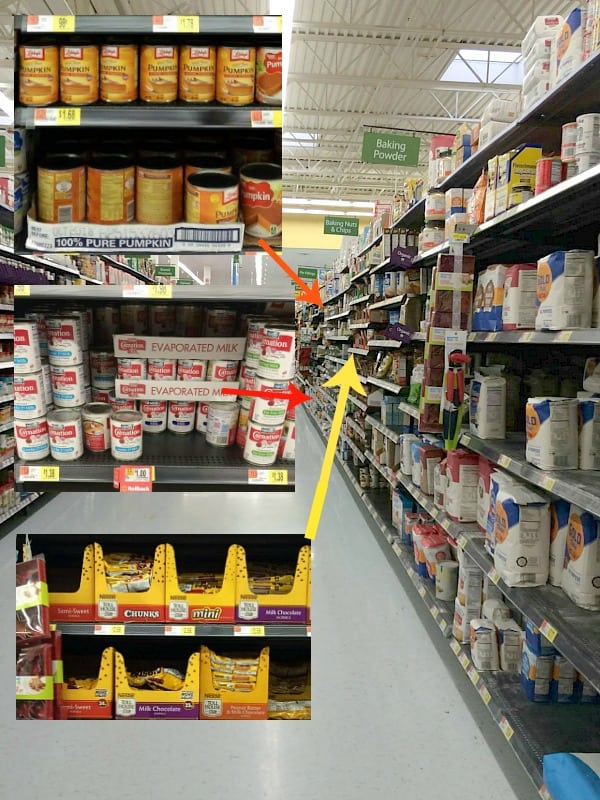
356 65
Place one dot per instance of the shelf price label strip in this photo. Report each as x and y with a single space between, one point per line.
175 24
180 630
273 477
134 479
267 24
39 473
109 630
50 24
22 290
548 630
57 116
266 118
158 292
248 630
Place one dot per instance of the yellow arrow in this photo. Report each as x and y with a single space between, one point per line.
346 378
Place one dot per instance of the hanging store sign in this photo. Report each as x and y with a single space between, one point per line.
391 148
308 273
165 271
341 226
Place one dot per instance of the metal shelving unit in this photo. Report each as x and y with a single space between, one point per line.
181 293
205 24
185 462
359 351
391 302
359 300
129 270
160 630
341 315
389 387
360 275
581 337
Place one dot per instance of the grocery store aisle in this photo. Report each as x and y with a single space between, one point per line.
388 713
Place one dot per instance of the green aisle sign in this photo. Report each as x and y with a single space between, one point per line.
341 226
308 273
185 282
390 148
165 271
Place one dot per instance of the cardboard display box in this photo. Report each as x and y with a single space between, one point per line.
96 702
224 704
133 703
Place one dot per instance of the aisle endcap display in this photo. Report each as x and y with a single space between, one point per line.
216 607
134 703
218 703
291 607
97 701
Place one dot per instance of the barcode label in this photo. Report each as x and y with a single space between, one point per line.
65 213
208 235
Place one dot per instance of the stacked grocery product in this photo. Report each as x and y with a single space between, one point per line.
161 180
156 72
109 397
14 179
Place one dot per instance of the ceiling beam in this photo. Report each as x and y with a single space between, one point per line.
513 38
369 118
362 38
400 83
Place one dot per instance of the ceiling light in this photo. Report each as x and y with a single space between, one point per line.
325 212
300 201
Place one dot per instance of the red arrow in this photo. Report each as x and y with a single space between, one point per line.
294 395
309 294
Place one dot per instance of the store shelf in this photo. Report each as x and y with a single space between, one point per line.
391 432
356 427
359 326
335 360
580 337
335 296
341 315
391 302
4 307
7 364
358 402
359 351
206 24
330 398
173 115
20 506
386 473
360 275
532 729
380 267
356 450
359 300
562 211
181 293
180 461
576 486
413 217
573 631
7 461
8 398
382 344
39 261
159 631
389 387
7 426
6 336
126 268
337 337
370 245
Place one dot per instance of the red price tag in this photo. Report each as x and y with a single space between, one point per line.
134 479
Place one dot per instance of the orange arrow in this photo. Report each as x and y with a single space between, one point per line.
309 294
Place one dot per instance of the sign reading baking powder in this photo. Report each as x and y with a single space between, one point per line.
391 148
341 226
129 345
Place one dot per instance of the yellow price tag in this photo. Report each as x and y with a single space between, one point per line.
462 541
485 695
422 591
109 630
49 473
548 630
68 116
267 24
494 575
544 793
548 483
140 474
464 660
266 118
443 625
435 612
57 116
527 336
460 237
455 647
491 337
180 630
160 292
249 630
564 336
63 24
188 24
22 290
473 675
506 729
278 477
504 461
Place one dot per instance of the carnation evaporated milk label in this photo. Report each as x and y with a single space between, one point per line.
29 392
38 75
158 73
118 73
197 73
235 75
79 75
276 360
262 443
32 439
